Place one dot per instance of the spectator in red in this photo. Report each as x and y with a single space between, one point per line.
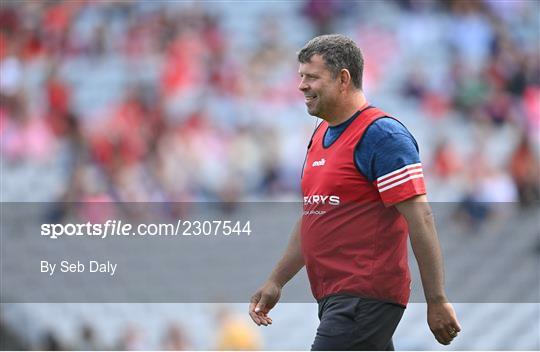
525 170
446 162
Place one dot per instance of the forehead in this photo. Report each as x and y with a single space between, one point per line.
316 64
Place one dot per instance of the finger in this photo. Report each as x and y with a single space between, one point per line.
455 325
266 322
263 320
264 317
444 336
267 319
443 342
452 328
252 313
255 318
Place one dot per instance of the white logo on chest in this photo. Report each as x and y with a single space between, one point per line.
319 162
322 199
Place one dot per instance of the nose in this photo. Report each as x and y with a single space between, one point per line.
303 86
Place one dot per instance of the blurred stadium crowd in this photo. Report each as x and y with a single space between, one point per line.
156 101
179 101
81 328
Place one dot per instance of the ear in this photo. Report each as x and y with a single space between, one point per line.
344 79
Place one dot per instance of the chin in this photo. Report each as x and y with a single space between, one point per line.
313 112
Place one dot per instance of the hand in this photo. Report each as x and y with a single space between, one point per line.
262 301
443 322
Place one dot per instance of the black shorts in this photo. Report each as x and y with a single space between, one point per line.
353 323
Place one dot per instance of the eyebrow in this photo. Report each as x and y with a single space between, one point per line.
314 75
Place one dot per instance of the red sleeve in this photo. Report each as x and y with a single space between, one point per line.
401 184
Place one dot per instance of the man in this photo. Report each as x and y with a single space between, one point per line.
363 195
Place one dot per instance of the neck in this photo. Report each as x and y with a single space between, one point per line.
347 109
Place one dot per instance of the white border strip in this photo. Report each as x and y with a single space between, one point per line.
400 182
408 173
399 170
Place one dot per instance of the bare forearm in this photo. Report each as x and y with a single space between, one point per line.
292 260
428 254
441 315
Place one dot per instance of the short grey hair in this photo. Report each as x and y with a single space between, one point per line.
338 52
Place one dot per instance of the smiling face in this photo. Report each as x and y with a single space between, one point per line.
320 87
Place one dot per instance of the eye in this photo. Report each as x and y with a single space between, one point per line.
308 76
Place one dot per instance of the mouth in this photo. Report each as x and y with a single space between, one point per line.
310 98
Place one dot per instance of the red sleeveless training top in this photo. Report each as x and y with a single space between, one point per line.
352 243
